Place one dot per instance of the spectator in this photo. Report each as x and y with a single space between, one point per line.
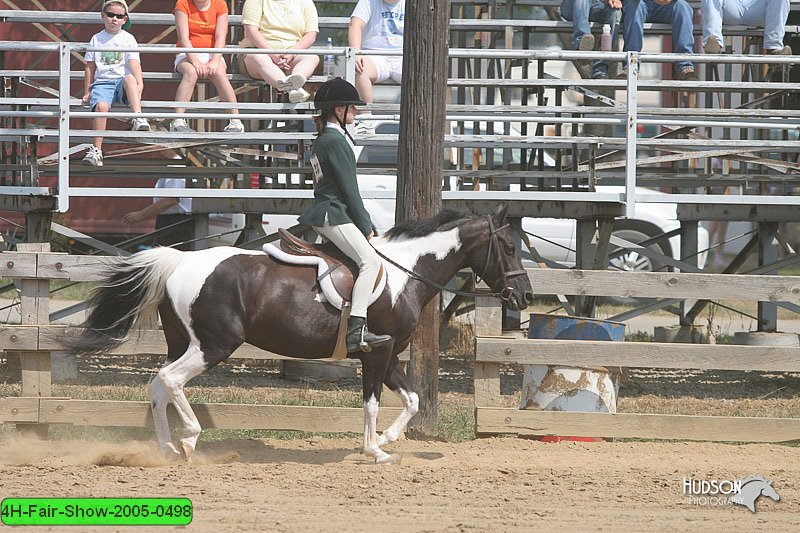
376 25
280 24
202 24
772 14
580 13
168 212
111 76
676 12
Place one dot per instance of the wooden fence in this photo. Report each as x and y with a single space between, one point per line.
494 351
34 339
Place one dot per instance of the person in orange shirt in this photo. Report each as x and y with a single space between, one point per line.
202 24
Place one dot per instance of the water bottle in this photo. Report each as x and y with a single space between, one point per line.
329 65
605 39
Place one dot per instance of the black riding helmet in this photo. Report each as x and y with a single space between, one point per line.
334 93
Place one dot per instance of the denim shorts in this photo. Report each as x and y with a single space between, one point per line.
109 91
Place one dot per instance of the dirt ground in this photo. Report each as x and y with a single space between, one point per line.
498 484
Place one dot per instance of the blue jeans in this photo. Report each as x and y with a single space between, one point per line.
771 14
678 13
580 13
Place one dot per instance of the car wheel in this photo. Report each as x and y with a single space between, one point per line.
632 260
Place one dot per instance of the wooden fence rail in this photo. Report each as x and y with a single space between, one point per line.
493 351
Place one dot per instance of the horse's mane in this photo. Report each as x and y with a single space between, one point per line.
420 228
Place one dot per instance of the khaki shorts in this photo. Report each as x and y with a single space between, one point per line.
242 68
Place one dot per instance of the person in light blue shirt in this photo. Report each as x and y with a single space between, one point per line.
376 25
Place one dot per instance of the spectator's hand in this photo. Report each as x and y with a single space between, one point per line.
662 2
278 60
371 235
615 4
359 64
85 99
132 218
212 66
202 70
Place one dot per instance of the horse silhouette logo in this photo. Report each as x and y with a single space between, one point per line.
752 488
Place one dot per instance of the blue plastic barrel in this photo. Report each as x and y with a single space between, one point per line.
543 326
561 388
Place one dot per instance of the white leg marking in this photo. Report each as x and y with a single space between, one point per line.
159 399
371 447
174 376
410 408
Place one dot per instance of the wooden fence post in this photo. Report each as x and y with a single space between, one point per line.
486 376
35 311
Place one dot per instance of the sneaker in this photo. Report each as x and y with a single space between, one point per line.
140 124
688 74
292 83
297 96
775 67
234 126
94 157
366 127
622 74
712 46
785 51
585 44
600 75
179 125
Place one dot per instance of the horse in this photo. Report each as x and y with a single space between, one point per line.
752 488
212 301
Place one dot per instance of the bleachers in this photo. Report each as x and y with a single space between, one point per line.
480 96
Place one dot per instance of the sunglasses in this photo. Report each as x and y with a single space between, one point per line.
119 16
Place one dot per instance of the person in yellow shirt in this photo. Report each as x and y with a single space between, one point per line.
285 25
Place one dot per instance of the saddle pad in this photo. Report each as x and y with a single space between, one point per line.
327 292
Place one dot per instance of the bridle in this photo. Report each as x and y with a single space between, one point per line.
494 247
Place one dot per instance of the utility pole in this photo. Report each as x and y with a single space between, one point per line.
419 171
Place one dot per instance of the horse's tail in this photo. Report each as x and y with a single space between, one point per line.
126 300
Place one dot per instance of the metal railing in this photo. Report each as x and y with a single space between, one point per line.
629 116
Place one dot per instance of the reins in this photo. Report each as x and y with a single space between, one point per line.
494 245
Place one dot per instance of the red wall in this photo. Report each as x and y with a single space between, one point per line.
89 215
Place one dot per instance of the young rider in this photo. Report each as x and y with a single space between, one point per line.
338 213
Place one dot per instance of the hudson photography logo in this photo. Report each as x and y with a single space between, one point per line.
714 492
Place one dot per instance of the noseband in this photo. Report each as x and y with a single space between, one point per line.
494 249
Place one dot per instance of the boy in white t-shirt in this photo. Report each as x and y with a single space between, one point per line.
108 72
376 25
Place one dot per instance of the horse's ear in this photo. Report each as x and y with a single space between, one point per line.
500 212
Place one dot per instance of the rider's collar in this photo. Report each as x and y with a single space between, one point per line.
334 126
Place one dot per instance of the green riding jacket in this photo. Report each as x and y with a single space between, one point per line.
336 191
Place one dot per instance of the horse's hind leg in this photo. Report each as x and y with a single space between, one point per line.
397 382
172 378
373 370
159 399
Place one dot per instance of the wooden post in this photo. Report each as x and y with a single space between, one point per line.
35 310
419 170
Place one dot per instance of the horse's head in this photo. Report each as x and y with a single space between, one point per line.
496 259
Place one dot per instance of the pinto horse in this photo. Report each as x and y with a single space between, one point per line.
212 301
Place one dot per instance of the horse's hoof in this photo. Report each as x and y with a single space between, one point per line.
387 460
170 453
187 450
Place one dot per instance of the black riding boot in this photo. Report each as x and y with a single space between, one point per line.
359 338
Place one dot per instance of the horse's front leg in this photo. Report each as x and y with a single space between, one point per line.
397 382
373 370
